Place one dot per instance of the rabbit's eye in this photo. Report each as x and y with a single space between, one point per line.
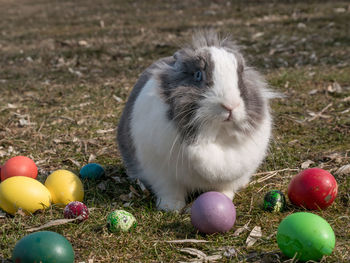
198 75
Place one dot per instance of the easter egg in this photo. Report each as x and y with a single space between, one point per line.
19 166
213 212
43 246
120 220
91 171
75 209
313 188
23 192
64 187
306 235
274 201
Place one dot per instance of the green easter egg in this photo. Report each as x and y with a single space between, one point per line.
120 220
43 246
274 201
306 235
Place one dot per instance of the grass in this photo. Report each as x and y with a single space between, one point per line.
64 64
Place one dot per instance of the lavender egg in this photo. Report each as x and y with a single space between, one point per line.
213 212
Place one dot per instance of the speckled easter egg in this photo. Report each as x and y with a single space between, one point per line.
120 220
274 201
75 209
91 171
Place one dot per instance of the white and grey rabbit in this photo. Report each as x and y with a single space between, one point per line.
198 120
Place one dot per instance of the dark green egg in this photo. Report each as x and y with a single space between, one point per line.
44 247
274 201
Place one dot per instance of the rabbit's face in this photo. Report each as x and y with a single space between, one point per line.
208 89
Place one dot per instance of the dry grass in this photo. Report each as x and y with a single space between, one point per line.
66 68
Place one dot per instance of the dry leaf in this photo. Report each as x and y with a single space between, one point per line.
194 252
335 88
54 223
143 187
92 158
229 252
343 170
127 204
76 163
57 141
336 157
20 212
2 214
83 43
116 179
133 190
75 72
201 256
105 131
102 186
307 164
117 98
254 235
241 229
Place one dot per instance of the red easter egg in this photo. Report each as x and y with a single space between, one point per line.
313 188
75 209
19 166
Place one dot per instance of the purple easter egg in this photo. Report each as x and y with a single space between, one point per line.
213 212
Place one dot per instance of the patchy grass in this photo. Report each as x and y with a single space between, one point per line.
67 67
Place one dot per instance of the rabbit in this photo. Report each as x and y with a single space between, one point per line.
196 121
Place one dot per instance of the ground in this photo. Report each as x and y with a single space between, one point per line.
67 67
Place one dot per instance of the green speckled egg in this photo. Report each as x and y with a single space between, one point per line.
274 201
120 220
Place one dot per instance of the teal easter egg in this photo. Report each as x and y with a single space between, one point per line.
91 171
43 246
120 220
306 236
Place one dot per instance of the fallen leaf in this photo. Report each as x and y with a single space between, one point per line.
254 235
117 98
75 72
105 131
92 158
127 204
241 229
194 252
83 43
334 88
116 179
2 214
345 169
75 162
307 164
229 252
102 186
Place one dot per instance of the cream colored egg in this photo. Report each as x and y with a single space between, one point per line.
23 192
64 187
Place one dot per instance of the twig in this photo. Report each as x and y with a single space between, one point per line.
54 223
181 241
319 114
276 171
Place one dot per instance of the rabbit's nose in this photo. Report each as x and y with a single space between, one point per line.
227 107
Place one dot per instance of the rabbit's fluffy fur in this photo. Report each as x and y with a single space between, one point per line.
198 120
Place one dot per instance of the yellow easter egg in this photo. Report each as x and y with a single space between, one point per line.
64 187
23 192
